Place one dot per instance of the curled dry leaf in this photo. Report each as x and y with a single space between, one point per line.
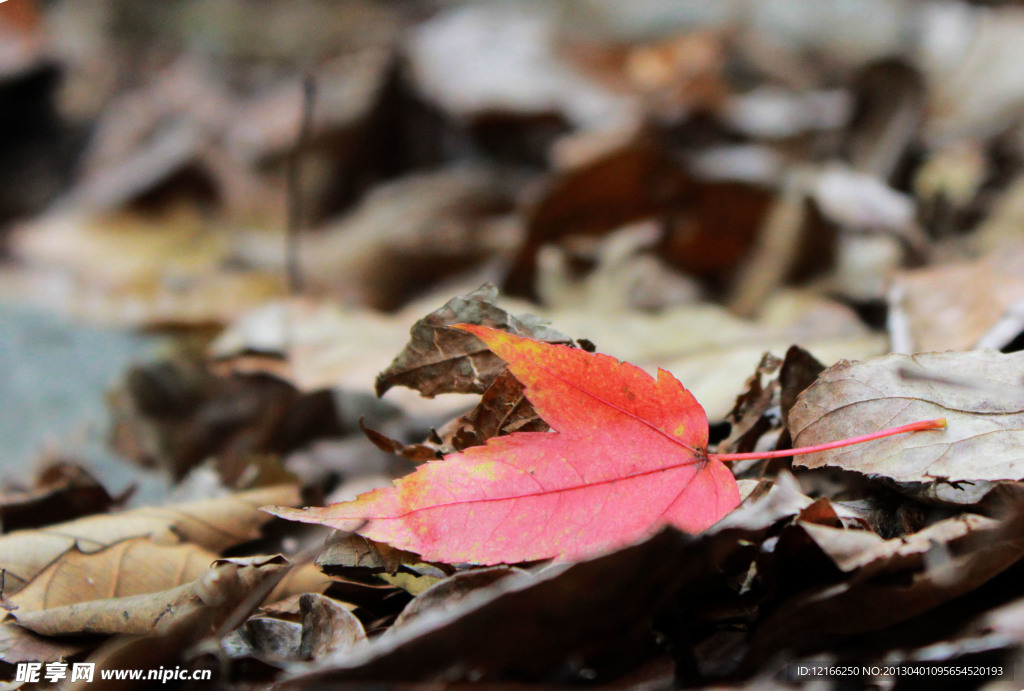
328 628
176 413
748 416
130 567
272 640
217 601
350 551
139 613
417 453
978 393
131 614
442 360
213 524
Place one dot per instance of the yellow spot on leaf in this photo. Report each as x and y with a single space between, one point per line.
484 471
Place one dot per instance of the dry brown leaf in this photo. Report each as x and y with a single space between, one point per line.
867 553
61 492
213 524
18 644
953 306
710 223
328 628
417 453
503 409
977 392
411 233
748 415
130 567
449 593
476 60
318 627
134 270
131 614
507 628
442 360
137 613
351 551
300 579
175 414
272 640
890 581
218 601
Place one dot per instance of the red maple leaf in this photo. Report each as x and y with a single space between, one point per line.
628 455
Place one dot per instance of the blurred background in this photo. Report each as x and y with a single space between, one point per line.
686 184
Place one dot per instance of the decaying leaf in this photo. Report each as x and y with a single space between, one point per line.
442 360
977 392
211 524
629 455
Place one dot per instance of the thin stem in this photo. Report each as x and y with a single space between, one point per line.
784 453
293 173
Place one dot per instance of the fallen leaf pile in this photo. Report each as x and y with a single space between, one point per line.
617 345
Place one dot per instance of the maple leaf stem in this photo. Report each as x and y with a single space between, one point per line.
939 423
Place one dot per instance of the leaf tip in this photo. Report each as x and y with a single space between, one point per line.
285 512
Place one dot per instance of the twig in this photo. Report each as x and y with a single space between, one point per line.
901 338
296 282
